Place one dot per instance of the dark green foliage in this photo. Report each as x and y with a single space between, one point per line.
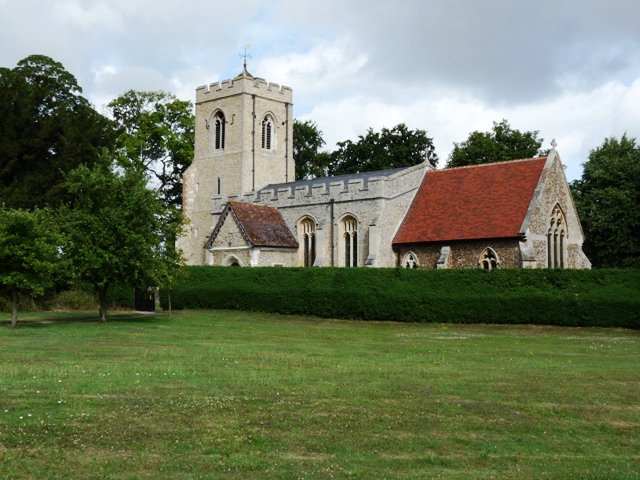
46 129
155 137
307 140
395 148
608 201
500 145
606 298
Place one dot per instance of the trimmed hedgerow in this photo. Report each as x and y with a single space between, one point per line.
605 298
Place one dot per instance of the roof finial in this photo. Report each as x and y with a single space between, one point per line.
554 144
245 47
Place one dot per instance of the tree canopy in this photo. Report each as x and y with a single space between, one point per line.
46 130
307 141
607 197
28 252
501 144
115 231
390 148
156 137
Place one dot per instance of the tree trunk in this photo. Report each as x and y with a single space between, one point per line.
169 295
102 295
14 306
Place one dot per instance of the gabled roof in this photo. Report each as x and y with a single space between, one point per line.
262 226
475 202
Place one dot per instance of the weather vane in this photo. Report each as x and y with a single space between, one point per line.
245 55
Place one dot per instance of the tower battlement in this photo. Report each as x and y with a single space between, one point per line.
243 84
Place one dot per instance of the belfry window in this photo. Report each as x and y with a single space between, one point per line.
489 259
350 241
556 239
267 132
218 126
308 241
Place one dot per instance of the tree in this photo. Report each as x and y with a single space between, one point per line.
500 145
28 253
116 229
156 136
307 140
394 148
608 201
46 130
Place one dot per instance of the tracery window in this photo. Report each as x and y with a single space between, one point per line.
218 127
350 239
268 126
489 259
410 261
556 239
308 241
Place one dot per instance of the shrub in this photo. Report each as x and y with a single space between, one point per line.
608 298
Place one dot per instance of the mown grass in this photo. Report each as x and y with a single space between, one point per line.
218 394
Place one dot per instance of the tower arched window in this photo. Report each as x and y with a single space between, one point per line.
489 259
307 235
350 241
268 132
556 239
218 129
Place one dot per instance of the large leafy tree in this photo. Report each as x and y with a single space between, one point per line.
46 130
116 229
390 148
608 201
307 141
156 137
501 144
28 253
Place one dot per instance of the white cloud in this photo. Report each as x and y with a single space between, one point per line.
88 16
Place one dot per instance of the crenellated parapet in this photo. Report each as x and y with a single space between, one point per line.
244 84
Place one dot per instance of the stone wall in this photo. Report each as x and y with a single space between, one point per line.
463 254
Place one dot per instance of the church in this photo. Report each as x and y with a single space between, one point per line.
246 208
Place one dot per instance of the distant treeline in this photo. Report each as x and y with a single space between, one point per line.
579 298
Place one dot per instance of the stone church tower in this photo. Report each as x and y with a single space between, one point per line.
243 141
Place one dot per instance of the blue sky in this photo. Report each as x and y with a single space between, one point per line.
570 69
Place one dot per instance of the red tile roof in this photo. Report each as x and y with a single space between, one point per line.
482 201
263 225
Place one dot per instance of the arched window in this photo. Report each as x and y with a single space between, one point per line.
350 241
218 128
489 259
268 127
410 261
307 235
556 239
231 261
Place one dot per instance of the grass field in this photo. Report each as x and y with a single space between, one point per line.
217 394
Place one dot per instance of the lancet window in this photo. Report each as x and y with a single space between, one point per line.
556 239
489 259
308 241
218 127
350 239
268 127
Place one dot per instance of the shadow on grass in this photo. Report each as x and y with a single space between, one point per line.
45 319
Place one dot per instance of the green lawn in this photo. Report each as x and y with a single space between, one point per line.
217 394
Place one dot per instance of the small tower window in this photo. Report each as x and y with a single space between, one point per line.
267 132
489 259
218 124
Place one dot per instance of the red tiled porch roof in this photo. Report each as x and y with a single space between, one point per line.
263 225
482 201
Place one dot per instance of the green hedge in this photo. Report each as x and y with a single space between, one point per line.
606 298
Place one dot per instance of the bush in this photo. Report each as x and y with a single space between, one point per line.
75 299
607 298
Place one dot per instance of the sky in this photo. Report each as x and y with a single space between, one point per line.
569 69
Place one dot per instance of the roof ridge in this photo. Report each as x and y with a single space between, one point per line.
493 163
